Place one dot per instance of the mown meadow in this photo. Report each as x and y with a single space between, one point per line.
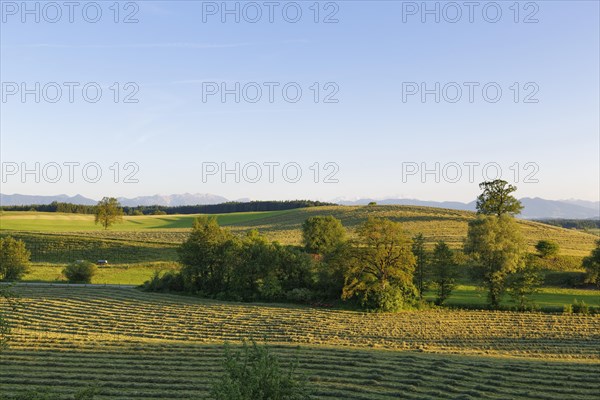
136 345
132 344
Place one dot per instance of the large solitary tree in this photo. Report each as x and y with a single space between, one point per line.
381 270
108 212
496 199
497 247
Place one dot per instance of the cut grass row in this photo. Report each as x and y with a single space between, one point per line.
136 345
153 370
119 313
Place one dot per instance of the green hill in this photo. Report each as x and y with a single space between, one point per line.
284 226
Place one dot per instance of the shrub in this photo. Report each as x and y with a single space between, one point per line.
388 299
300 295
558 263
170 281
567 309
255 374
547 248
580 307
564 279
14 259
80 272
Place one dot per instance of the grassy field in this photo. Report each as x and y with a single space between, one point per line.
285 226
119 274
546 298
137 345
65 222
66 248
464 295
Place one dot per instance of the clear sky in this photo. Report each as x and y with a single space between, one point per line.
369 129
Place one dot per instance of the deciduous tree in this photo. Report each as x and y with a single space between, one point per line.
444 271
322 234
381 270
496 246
418 249
547 249
497 199
108 212
591 264
14 259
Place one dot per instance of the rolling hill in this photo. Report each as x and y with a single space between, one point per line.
285 226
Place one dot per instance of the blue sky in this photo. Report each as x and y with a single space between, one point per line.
368 136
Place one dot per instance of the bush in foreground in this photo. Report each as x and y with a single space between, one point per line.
80 272
253 373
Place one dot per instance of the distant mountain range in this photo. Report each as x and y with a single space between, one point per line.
173 200
535 208
156 200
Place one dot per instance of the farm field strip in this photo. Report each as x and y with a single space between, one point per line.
129 313
137 345
284 226
184 370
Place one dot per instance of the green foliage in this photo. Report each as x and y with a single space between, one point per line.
300 295
206 256
567 279
592 266
421 267
80 271
523 283
108 212
217 264
14 259
64 248
496 247
444 271
331 271
254 373
6 296
497 200
322 234
580 307
547 248
169 281
557 263
381 266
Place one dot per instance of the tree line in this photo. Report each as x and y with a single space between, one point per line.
380 269
222 208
